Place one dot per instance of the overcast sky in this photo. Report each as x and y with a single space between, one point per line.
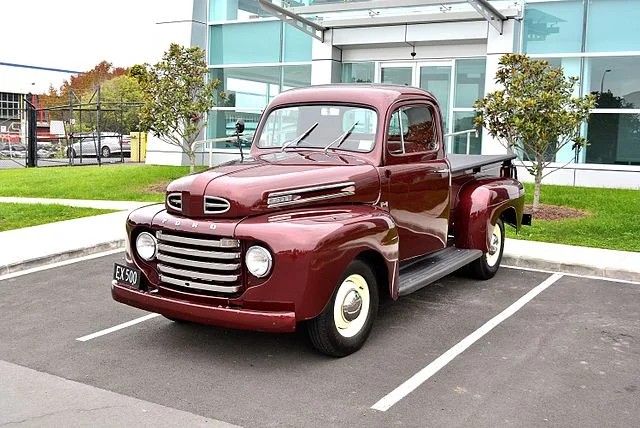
78 34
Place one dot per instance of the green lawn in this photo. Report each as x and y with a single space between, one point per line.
119 183
614 222
16 216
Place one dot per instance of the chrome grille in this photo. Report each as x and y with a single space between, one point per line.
174 201
215 205
199 262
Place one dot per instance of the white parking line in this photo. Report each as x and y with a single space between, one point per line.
423 375
116 328
574 275
62 263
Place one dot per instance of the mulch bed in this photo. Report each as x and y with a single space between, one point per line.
555 212
157 188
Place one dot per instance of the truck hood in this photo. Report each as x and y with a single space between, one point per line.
273 182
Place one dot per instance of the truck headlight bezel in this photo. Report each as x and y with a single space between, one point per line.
258 261
146 246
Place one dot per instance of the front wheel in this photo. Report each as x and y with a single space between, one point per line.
344 325
486 266
106 152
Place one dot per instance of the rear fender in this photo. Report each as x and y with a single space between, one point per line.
480 204
312 249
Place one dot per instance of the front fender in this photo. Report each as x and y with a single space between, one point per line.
478 207
311 250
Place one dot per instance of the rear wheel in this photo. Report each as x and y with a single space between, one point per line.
106 152
344 325
486 266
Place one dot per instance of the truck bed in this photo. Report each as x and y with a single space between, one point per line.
462 163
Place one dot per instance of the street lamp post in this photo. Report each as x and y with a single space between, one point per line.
602 80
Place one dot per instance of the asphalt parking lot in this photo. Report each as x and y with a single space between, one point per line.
568 357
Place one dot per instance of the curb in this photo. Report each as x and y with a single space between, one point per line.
571 268
59 257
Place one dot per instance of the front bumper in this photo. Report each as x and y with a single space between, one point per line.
244 319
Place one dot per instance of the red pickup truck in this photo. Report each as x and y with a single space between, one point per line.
347 196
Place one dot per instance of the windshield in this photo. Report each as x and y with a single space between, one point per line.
317 126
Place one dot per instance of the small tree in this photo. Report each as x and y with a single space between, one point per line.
535 114
176 97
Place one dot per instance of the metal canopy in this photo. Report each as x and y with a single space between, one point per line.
291 18
489 13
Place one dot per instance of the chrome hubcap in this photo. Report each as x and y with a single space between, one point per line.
352 305
495 244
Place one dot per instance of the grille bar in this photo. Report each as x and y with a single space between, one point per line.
197 275
198 253
197 264
229 243
199 285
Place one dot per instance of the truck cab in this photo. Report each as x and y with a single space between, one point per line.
348 195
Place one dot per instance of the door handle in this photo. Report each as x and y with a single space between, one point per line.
441 171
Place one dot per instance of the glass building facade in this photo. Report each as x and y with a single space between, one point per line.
256 56
598 41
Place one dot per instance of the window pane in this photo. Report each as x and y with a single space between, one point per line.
420 133
228 10
245 43
295 76
612 26
469 86
223 124
358 72
463 121
297 45
437 80
553 27
615 80
613 138
248 86
397 75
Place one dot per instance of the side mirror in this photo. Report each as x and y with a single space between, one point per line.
239 126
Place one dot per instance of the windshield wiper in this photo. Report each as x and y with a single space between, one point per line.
296 140
341 138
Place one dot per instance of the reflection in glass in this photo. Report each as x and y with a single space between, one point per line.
245 43
222 123
469 84
357 72
463 121
437 80
397 75
553 27
614 80
249 90
614 138
612 26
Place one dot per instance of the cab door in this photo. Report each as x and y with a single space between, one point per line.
416 178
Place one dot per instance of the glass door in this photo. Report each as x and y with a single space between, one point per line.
436 78
397 73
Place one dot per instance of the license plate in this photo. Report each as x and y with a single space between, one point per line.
127 275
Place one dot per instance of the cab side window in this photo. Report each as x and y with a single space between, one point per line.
412 129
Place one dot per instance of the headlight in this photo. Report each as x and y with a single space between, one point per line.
146 246
258 261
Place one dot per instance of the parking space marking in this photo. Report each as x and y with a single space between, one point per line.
116 328
386 402
575 275
62 263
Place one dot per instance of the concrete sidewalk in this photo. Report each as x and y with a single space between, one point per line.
30 247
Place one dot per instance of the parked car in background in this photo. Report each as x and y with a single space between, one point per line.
110 143
12 150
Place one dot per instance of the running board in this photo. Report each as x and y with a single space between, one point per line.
420 273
